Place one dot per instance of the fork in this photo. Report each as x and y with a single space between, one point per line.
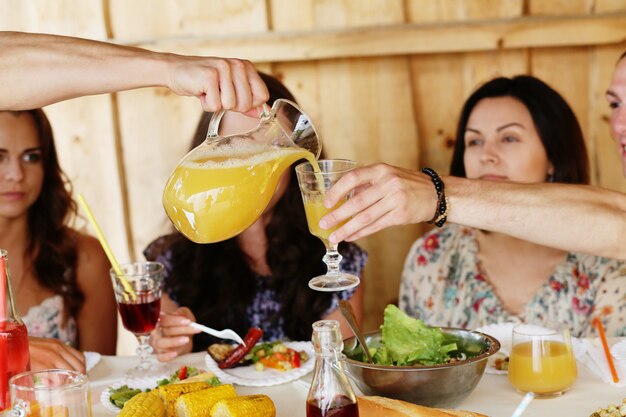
222 334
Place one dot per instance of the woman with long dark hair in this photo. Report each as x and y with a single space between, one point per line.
513 130
555 215
60 276
258 278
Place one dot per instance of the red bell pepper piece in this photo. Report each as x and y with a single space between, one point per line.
295 359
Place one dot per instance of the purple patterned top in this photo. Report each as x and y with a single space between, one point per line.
265 304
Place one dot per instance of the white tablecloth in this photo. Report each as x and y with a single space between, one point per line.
493 396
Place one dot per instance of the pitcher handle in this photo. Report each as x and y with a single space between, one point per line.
214 124
216 118
13 412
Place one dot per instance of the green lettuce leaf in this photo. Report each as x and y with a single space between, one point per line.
408 341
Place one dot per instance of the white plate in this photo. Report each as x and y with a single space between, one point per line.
249 376
618 351
143 384
504 333
91 359
579 347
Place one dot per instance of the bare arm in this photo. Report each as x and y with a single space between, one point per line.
97 319
37 70
569 217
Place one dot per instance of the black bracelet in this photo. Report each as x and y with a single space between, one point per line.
441 212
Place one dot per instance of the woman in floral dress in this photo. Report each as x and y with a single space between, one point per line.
513 130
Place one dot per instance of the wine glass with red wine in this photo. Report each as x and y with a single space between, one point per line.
140 309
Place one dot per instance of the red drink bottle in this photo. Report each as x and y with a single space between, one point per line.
14 356
331 394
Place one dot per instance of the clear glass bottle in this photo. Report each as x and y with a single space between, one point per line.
14 356
330 393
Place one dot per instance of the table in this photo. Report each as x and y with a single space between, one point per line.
493 396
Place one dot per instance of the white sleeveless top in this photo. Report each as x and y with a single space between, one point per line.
46 320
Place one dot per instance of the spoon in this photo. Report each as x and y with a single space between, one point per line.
222 334
348 313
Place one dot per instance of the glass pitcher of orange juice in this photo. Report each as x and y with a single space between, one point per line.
221 187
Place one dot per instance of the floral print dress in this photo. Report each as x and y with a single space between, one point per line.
443 284
46 320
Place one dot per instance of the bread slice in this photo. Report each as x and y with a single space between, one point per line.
373 406
463 413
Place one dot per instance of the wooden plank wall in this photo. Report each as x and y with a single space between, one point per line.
383 80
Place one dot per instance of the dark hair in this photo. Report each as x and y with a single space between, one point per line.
216 282
623 56
52 244
554 120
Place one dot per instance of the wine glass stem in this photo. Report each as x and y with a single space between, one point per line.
332 259
144 351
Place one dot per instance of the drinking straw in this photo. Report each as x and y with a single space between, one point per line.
107 249
605 346
3 289
523 404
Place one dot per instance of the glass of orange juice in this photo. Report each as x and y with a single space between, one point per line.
542 360
49 393
313 185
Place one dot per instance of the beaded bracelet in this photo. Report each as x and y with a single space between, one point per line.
443 204
441 219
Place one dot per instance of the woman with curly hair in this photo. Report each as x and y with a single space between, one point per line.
258 278
60 276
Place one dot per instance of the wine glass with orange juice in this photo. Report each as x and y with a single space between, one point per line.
222 187
542 360
313 185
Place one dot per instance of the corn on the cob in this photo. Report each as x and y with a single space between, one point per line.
169 394
199 403
245 406
145 404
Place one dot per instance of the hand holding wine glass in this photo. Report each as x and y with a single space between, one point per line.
313 186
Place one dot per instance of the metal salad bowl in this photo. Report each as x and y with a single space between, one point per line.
444 385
